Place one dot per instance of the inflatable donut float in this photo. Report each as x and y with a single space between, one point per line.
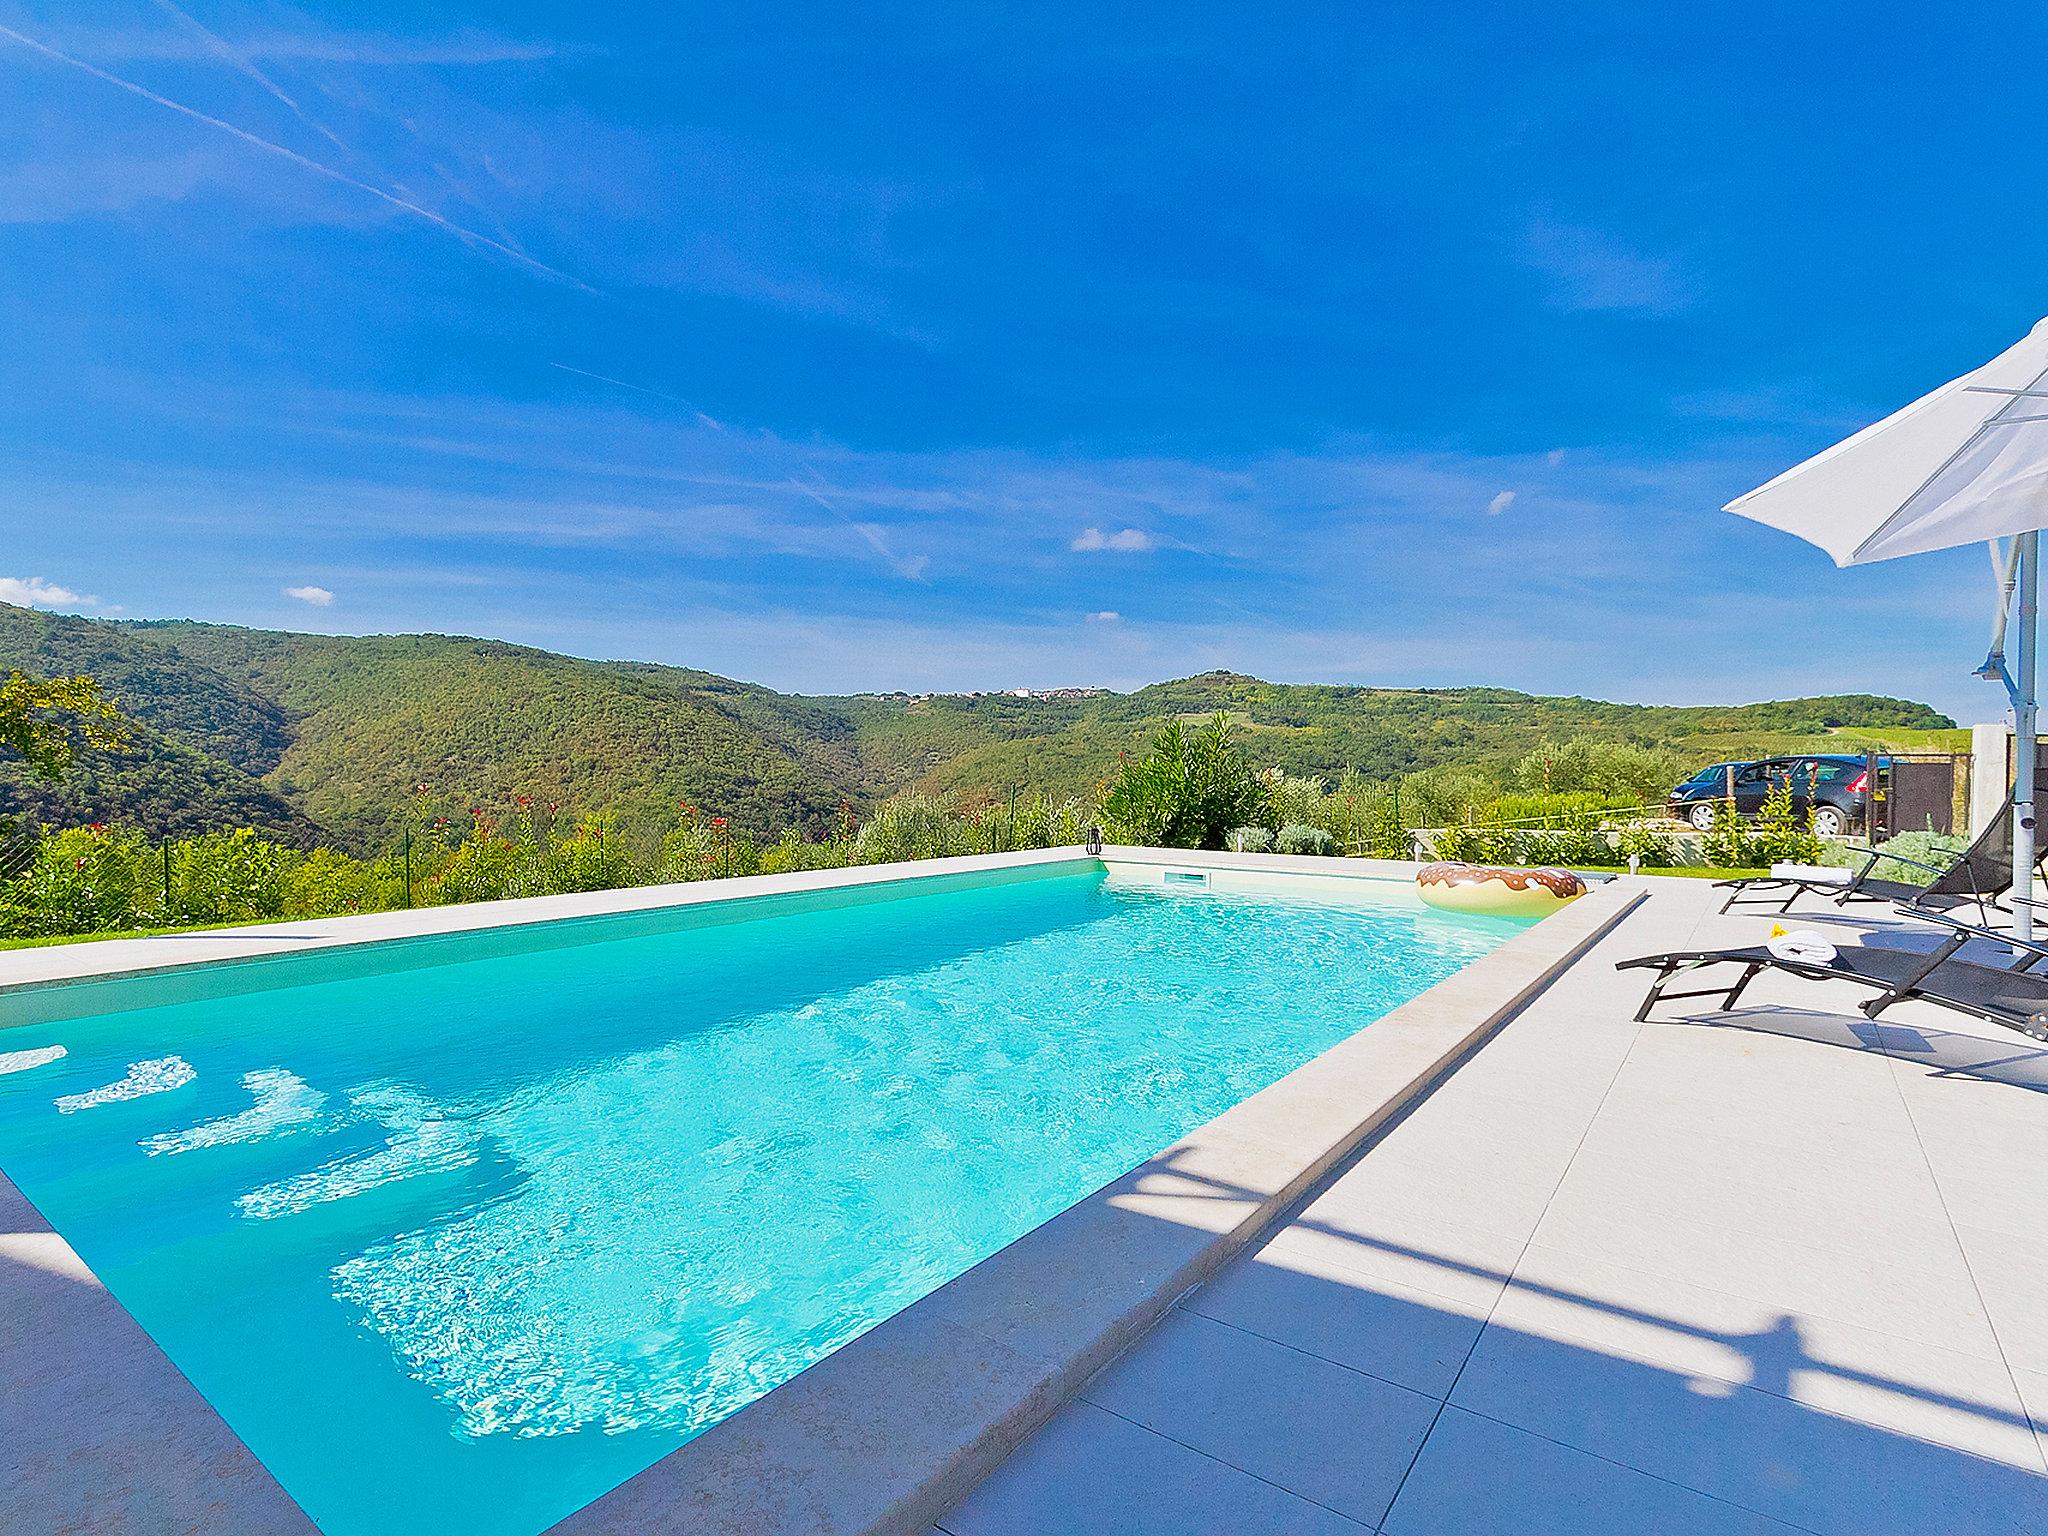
1485 891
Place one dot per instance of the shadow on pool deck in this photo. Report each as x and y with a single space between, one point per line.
1340 1379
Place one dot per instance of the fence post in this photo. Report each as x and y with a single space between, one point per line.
408 868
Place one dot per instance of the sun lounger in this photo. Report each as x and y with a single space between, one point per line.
1979 876
2010 995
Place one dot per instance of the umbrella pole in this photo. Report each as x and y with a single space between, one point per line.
2024 746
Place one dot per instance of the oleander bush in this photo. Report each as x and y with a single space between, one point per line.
1190 791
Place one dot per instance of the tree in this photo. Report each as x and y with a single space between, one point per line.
42 718
1189 792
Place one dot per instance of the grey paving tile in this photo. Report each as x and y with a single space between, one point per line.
1398 1333
1966 1402
1091 1473
1868 1289
2033 1389
1753 1449
1477 1187
1744 1194
2011 1280
1991 1190
1477 1477
1710 1133
1332 1435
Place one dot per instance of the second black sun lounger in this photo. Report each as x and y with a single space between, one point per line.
1981 875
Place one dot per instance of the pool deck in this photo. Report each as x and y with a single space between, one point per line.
1774 1270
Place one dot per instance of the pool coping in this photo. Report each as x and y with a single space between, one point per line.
889 1431
880 1436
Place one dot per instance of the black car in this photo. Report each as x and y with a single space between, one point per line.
1830 790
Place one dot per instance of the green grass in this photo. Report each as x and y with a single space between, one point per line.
130 933
1901 738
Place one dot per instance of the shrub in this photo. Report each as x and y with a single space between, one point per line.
1291 800
485 869
913 826
792 853
90 880
1296 838
1365 819
1781 834
1938 849
1039 821
594 858
1620 770
1188 792
1249 840
326 882
229 877
1437 797
1726 843
1650 848
705 849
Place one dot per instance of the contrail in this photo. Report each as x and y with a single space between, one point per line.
909 567
243 64
469 236
642 389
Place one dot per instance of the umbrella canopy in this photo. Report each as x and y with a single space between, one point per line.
1968 462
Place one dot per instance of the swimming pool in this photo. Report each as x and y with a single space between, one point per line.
457 1246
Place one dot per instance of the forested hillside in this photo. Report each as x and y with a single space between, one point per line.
315 737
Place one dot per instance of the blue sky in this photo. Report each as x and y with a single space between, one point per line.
928 347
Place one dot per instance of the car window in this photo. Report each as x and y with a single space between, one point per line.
1753 774
1839 773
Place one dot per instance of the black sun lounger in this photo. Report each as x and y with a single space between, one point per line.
1981 875
2012 996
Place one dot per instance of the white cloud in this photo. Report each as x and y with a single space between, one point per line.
311 46
35 592
1554 458
1591 270
319 597
1124 540
1500 503
1106 616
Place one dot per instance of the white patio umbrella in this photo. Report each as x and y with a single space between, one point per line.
1967 462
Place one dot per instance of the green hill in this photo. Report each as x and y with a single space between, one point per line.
316 736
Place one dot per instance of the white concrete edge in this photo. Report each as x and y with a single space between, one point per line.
885 1434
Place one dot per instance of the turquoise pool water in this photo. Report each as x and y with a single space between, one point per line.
457 1248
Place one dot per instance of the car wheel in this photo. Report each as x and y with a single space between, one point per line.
1702 815
1829 821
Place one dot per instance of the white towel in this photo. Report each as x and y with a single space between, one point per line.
1803 944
